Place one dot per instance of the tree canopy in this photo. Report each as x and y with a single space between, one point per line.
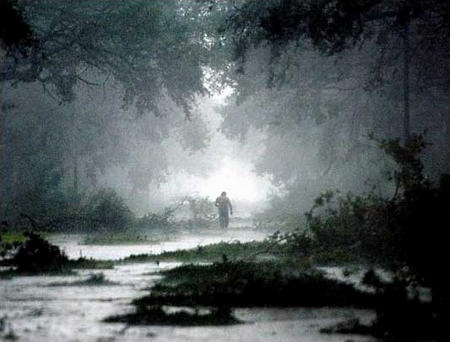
148 47
312 78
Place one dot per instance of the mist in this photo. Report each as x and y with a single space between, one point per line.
326 123
292 121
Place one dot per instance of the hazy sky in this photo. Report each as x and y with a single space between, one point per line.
230 165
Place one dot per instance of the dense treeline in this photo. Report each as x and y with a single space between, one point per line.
321 78
88 88
108 82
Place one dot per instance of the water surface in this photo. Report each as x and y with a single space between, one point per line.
36 310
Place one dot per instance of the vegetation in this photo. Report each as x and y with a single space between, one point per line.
87 105
10 241
90 264
318 76
130 236
247 284
211 253
100 48
96 279
226 285
36 255
203 211
404 233
68 135
158 315
161 221
103 210
106 209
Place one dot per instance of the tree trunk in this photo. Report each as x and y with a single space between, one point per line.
75 177
406 91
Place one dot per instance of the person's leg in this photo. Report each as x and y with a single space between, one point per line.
221 219
226 219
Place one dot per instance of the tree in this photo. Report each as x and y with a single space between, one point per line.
146 46
92 142
333 26
315 77
106 63
15 33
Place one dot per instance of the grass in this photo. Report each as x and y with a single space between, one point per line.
93 280
71 264
19 236
68 269
252 251
122 238
36 256
252 284
226 285
159 315
211 253
13 237
14 272
91 264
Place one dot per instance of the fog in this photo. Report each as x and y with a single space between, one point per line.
221 162
214 112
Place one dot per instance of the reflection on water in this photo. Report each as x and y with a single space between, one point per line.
74 248
36 311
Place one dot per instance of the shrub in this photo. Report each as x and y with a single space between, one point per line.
163 220
37 255
106 209
202 209
406 233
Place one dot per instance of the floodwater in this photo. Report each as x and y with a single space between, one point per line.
74 247
43 308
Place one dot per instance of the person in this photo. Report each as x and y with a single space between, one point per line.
223 204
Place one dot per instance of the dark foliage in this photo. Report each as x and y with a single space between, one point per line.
156 315
96 279
54 211
244 284
37 255
15 32
398 316
332 26
106 209
163 220
406 233
73 34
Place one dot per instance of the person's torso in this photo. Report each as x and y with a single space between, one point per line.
222 202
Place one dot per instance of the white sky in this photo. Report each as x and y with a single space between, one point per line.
233 174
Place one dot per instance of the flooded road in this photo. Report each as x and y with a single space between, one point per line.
43 308
74 247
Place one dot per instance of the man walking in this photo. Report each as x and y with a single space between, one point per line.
223 204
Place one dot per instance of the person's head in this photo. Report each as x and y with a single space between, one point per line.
223 194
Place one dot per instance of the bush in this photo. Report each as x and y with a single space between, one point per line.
251 284
106 209
163 220
37 255
202 209
406 233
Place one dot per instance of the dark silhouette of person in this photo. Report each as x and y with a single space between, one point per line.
224 206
